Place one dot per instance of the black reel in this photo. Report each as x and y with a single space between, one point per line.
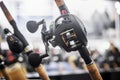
15 45
69 33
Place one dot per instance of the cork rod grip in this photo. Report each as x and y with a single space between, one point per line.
59 2
94 72
4 73
17 75
6 12
15 72
42 72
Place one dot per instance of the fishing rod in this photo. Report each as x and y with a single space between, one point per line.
69 33
17 39
74 37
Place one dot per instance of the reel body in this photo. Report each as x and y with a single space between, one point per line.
69 34
15 45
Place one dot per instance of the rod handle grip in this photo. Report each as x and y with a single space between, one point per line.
42 72
94 72
5 74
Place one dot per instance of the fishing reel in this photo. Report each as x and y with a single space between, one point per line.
67 31
15 45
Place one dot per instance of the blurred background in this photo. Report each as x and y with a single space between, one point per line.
101 19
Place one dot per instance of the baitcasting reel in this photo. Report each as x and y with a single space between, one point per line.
67 31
